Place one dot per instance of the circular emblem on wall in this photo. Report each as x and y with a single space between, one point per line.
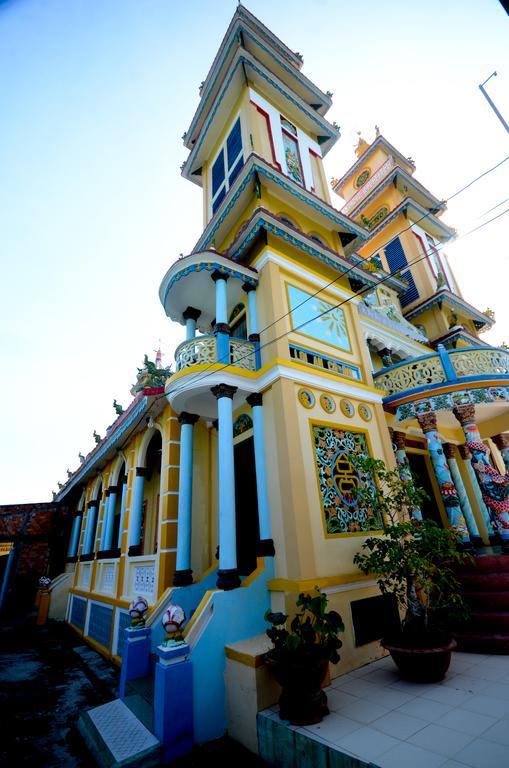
362 177
365 412
327 403
347 408
306 398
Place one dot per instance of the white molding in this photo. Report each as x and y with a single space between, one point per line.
391 339
348 587
310 277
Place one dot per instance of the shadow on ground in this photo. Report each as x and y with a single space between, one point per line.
47 678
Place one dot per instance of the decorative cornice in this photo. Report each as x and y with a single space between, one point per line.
445 296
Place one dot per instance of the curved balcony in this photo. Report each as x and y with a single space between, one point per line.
202 350
453 369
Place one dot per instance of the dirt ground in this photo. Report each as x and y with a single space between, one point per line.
47 678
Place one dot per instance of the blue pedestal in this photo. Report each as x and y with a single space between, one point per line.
173 701
135 656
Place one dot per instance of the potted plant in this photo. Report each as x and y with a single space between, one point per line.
414 562
300 657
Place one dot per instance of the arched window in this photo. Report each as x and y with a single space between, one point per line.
317 239
238 322
284 219
116 512
98 496
150 513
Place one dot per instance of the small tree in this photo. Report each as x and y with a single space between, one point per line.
415 559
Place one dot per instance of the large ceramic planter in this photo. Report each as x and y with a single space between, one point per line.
422 665
302 700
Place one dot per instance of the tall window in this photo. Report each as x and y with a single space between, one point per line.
292 154
227 165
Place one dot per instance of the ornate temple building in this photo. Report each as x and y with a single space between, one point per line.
314 329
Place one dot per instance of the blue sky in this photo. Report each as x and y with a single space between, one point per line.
95 97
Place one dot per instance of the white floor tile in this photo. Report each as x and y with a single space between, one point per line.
486 705
338 699
482 753
333 727
462 720
497 691
383 677
466 682
388 697
412 688
498 732
364 711
399 725
486 673
424 709
406 755
445 741
367 743
453 764
445 695
359 687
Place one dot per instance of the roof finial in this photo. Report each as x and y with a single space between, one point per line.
159 356
377 131
362 145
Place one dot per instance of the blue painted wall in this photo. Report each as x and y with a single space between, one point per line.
78 610
99 625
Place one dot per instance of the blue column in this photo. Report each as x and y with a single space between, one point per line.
265 545
135 656
254 331
222 329
110 518
173 701
191 315
428 424
136 511
228 577
183 574
466 456
450 452
122 511
90 529
399 447
106 512
75 536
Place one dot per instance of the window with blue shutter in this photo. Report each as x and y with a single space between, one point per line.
227 165
397 261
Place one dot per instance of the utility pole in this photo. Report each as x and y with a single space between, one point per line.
491 103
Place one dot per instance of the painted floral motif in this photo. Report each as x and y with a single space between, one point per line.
347 408
340 481
317 319
293 165
242 424
362 178
365 412
327 403
306 398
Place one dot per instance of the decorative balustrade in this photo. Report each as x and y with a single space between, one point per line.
242 354
197 351
482 360
203 350
445 366
106 577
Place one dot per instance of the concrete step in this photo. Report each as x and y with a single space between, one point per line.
487 601
143 710
485 582
497 621
483 642
116 737
487 564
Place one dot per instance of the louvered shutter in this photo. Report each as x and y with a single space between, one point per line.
234 152
218 173
397 260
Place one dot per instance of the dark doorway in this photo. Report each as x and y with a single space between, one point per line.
429 507
246 506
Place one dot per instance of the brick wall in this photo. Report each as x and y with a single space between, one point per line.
40 533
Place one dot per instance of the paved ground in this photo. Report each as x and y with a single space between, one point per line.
462 722
47 678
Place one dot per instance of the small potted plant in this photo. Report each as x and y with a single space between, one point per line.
414 562
300 657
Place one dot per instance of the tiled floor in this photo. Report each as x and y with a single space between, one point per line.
462 722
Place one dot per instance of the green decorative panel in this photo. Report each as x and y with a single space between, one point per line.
340 482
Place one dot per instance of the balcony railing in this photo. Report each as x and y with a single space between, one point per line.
445 366
203 350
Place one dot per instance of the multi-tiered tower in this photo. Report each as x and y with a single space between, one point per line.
312 336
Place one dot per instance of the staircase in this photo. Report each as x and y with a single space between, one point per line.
486 590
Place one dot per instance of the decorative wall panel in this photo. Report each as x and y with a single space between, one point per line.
340 482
